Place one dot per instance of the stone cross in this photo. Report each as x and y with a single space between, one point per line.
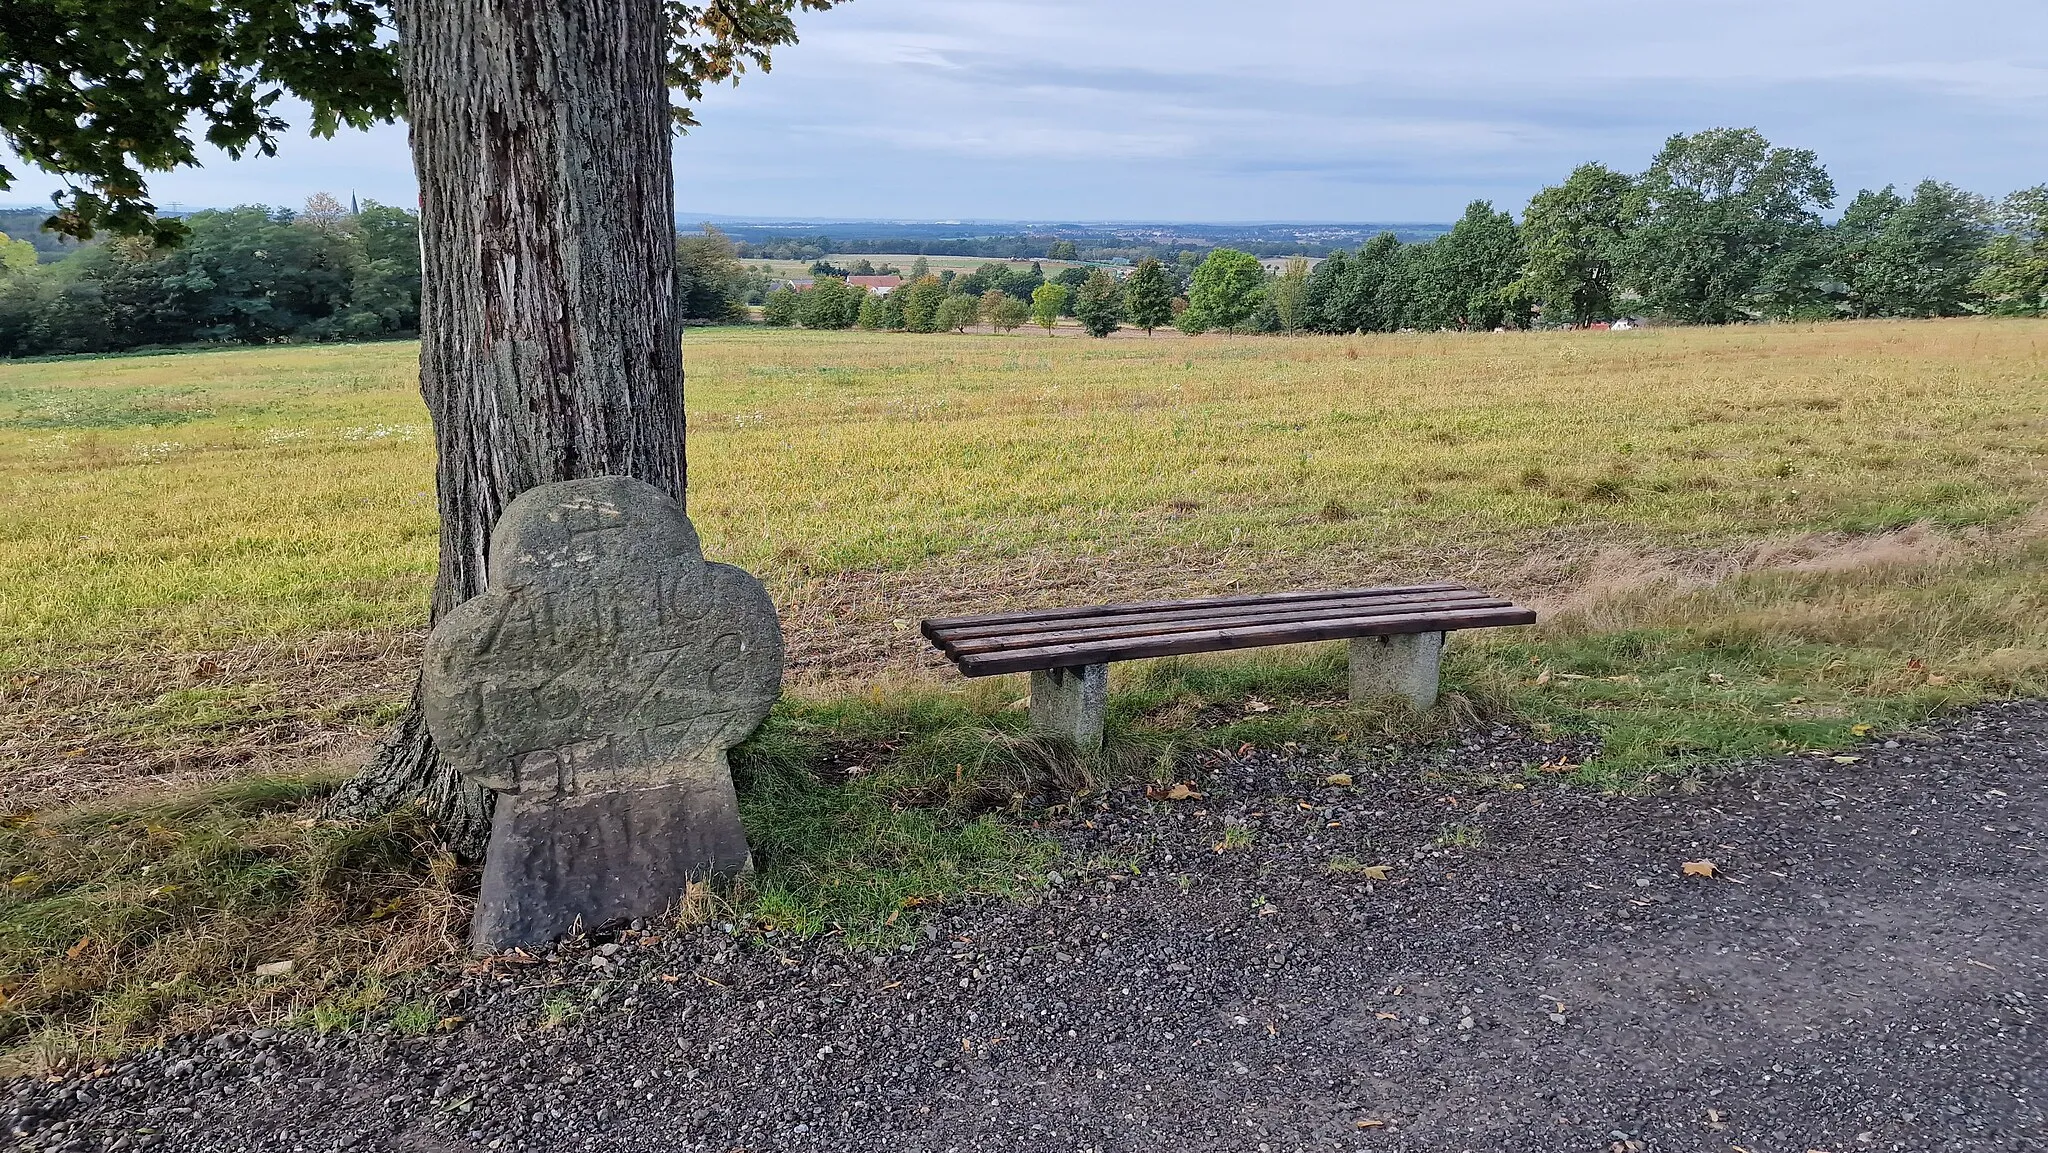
596 688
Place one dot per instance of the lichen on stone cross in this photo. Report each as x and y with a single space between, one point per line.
596 687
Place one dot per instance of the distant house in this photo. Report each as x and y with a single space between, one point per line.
879 285
799 283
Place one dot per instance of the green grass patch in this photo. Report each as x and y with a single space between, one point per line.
866 812
124 922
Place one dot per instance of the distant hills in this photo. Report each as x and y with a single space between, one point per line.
1030 238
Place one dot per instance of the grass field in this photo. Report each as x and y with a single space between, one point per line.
202 501
214 567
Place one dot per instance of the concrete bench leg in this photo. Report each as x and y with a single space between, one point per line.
1397 666
1069 703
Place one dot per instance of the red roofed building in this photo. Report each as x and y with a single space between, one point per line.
879 285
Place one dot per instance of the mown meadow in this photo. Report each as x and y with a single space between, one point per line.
214 567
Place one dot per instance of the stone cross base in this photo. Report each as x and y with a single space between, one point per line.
1406 665
557 863
1069 704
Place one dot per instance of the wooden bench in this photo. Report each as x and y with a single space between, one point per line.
1396 635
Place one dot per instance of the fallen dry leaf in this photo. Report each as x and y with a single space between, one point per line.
1179 791
1847 760
1369 1123
1699 869
78 950
1337 780
1374 872
1255 705
1861 730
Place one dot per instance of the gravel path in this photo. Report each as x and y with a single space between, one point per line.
1532 971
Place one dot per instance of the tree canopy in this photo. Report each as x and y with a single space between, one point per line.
1572 231
103 92
1148 297
1228 290
1722 223
1100 303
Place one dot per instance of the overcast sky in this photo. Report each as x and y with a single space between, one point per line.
1207 110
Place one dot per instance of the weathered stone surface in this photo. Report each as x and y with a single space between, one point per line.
1406 665
596 687
1070 703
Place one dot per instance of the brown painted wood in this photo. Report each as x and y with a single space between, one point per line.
1181 611
1030 615
1240 617
1219 640
1227 639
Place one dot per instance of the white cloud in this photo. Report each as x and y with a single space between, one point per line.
1304 109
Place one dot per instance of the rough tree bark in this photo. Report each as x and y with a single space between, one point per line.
550 348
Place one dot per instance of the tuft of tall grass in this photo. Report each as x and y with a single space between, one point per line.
120 922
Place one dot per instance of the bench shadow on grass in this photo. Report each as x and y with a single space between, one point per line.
120 923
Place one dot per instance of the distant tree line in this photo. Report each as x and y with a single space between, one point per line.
249 275
1722 227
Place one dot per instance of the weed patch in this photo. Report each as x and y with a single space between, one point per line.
118 923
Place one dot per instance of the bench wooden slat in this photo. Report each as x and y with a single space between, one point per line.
990 640
959 635
1226 639
1033 615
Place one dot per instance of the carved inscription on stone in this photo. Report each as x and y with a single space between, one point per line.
596 687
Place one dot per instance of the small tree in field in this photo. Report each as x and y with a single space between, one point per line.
1048 301
782 308
956 312
830 303
1100 304
1003 312
1228 291
1148 296
874 316
921 300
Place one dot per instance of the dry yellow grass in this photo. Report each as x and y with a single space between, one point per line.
178 503
216 559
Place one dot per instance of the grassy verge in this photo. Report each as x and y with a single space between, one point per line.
118 923
121 922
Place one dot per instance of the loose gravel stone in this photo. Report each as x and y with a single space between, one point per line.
1426 958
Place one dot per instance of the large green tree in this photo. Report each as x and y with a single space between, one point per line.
1725 227
1894 256
1048 301
1469 278
550 332
1572 231
709 278
1100 303
1148 296
921 299
2014 280
1286 294
1228 290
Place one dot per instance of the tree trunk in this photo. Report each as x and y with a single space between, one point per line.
549 342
